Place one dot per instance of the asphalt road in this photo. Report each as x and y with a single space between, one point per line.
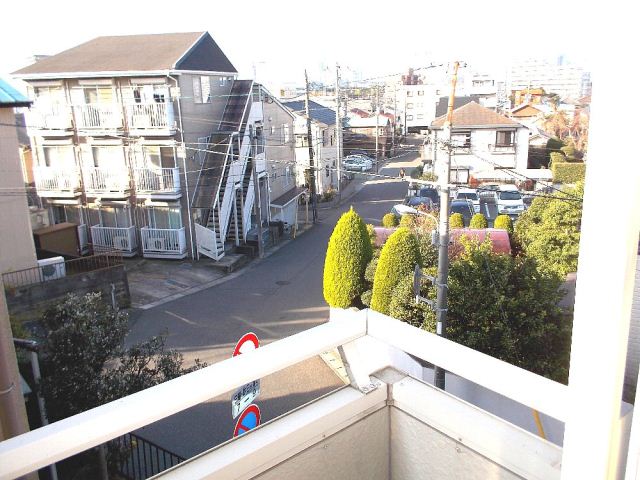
275 297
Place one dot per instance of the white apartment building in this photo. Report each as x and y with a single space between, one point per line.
416 106
566 80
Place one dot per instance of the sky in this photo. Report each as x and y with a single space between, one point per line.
278 40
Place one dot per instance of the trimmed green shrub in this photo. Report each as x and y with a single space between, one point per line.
456 220
417 171
478 221
569 152
406 221
568 172
365 298
556 157
553 144
404 307
398 258
372 234
504 222
429 177
348 254
389 220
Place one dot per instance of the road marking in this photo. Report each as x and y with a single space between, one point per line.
185 320
257 326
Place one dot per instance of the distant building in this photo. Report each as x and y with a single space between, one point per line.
563 79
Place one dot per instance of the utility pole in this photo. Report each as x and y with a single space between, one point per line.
443 246
377 123
395 117
256 197
312 176
338 131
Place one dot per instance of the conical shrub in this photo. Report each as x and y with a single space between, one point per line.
456 220
348 254
504 222
478 221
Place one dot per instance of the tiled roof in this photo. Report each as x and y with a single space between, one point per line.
474 115
136 53
10 97
316 111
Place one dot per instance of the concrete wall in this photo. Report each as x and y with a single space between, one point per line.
28 302
16 243
359 451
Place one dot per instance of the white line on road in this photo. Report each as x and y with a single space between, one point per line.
185 320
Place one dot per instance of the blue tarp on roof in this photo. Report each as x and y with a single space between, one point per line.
10 97
318 112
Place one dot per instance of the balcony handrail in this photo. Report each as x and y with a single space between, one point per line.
57 441
154 179
56 178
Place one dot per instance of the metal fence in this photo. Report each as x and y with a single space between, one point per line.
140 459
56 271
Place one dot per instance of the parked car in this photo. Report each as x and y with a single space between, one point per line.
416 202
509 200
402 209
465 207
430 192
469 194
357 163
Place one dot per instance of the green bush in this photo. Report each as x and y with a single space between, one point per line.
569 152
456 220
398 258
504 222
478 221
557 157
406 221
429 177
372 234
417 171
554 145
389 220
348 253
404 307
568 172
365 298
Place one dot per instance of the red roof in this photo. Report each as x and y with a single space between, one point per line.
475 115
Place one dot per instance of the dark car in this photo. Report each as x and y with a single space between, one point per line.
416 202
465 207
431 193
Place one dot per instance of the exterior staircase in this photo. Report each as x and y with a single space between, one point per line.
220 187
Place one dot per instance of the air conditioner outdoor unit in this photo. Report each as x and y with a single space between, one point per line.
121 243
52 268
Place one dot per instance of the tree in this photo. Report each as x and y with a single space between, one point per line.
348 253
478 221
404 307
456 220
83 336
389 220
504 222
398 258
506 307
549 230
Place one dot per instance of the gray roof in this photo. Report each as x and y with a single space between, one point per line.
443 103
316 111
135 53
10 97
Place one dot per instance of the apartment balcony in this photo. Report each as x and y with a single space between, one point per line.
388 423
57 181
111 182
157 183
50 119
151 119
163 242
497 148
123 239
96 118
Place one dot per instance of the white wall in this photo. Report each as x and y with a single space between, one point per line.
633 348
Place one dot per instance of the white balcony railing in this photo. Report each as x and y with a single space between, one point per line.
497 148
157 180
56 179
99 116
49 116
114 238
105 180
163 242
150 115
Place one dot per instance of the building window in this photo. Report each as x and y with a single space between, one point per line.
420 93
504 138
301 140
461 139
273 129
331 140
223 81
327 171
164 217
58 156
287 175
409 118
409 93
285 133
157 156
202 89
409 106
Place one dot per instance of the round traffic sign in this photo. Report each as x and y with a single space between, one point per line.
249 341
248 420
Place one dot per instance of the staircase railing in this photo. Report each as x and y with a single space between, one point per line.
247 207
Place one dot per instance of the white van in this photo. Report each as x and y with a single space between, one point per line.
469 194
509 200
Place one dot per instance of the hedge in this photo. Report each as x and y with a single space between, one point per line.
557 157
398 258
566 172
348 254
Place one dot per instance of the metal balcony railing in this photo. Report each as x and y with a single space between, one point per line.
48 116
57 179
150 115
122 239
502 148
106 179
157 180
99 116
163 241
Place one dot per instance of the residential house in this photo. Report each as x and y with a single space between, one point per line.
323 135
147 153
487 145
17 250
360 134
